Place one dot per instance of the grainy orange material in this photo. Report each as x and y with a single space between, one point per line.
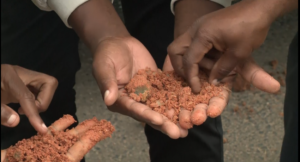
236 109
281 114
225 140
281 80
54 146
164 91
274 64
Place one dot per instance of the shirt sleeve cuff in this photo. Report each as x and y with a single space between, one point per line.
64 8
225 3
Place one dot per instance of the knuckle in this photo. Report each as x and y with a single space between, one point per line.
5 66
171 49
203 34
16 66
53 81
179 45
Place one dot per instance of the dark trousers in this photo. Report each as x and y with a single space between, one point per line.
289 151
152 22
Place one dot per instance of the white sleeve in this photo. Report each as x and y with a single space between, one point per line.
63 8
225 3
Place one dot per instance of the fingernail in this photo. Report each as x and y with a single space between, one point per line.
215 82
44 126
106 94
11 119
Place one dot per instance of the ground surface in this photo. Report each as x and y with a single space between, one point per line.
252 136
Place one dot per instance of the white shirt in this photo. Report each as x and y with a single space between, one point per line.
64 8
224 3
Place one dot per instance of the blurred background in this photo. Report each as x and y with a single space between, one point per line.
252 121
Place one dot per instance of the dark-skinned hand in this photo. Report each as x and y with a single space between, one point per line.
116 61
33 90
234 32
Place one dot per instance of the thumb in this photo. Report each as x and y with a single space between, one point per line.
105 75
255 75
9 117
3 154
226 64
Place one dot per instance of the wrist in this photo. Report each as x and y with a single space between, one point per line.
95 21
188 11
271 9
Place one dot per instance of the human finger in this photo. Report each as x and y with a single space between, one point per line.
82 127
105 75
9 117
255 75
3 154
42 85
167 64
168 128
138 111
198 48
62 123
143 113
216 105
174 132
111 57
183 132
177 49
46 92
199 115
28 104
99 131
185 119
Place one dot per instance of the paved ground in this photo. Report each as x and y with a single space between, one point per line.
252 136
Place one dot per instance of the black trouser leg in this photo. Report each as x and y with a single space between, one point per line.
289 151
152 22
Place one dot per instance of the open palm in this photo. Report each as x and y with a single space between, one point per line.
251 72
89 133
115 63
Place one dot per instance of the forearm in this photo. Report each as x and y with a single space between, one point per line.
266 10
188 11
276 8
96 20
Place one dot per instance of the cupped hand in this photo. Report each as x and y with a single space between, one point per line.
248 70
201 111
116 61
234 32
33 90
